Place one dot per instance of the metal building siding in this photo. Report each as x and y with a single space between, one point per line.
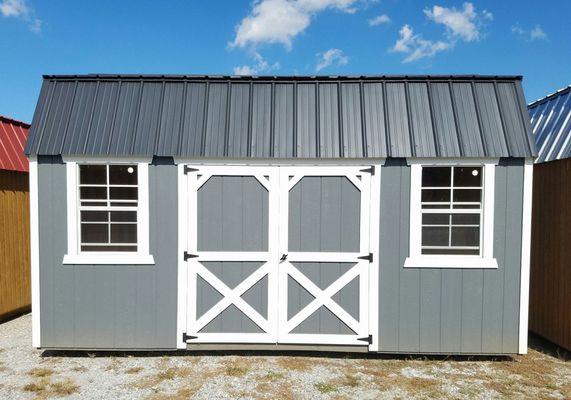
281 117
107 306
551 125
449 310
13 136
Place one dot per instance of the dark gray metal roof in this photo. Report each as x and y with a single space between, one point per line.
551 123
308 117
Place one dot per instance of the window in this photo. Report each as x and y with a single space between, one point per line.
451 206
107 213
108 196
451 214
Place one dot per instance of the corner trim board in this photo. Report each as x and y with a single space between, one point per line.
525 255
35 252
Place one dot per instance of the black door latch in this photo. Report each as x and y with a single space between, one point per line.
284 257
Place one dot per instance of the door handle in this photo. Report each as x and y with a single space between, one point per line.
284 257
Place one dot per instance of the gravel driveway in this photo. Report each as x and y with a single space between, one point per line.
26 373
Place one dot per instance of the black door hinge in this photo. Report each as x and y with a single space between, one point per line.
370 170
187 255
368 339
186 337
367 257
188 169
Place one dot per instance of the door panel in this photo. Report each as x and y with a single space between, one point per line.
324 233
232 276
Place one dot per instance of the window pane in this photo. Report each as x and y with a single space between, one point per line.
108 248
436 176
94 233
474 252
435 195
467 176
470 195
123 193
435 236
435 219
94 216
123 174
466 219
123 233
465 236
93 193
124 216
93 174
124 204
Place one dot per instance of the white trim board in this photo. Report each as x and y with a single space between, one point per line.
35 252
525 255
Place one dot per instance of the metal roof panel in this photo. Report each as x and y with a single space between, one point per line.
13 135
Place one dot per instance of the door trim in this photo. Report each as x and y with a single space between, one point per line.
375 192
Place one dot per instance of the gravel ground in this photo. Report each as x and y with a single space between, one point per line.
26 373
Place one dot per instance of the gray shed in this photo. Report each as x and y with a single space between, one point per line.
364 213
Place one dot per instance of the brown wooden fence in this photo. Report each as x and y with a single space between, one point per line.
14 243
550 287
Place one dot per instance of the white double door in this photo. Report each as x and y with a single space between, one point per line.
278 254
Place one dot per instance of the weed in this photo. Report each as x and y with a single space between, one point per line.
325 388
236 370
274 375
41 372
134 370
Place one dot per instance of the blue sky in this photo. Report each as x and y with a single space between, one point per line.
280 37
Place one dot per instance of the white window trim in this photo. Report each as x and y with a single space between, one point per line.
484 261
35 251
74 255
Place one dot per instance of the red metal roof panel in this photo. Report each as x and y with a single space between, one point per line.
13 135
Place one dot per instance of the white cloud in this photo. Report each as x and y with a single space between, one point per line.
379 20
537 33
488 15
415 46
260 66
280 21
459 23
20 9
331 57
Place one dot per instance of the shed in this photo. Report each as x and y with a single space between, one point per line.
14 219
358 213
550 302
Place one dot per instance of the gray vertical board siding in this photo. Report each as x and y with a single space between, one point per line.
239 122
444 120
467 311
284 121
374 110
397 120
351 122
261 120
328 120
216 119
107 306
324 215
421 120
192 139
490 120
306 128
232 214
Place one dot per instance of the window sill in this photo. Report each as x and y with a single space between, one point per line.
463 262
109 259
